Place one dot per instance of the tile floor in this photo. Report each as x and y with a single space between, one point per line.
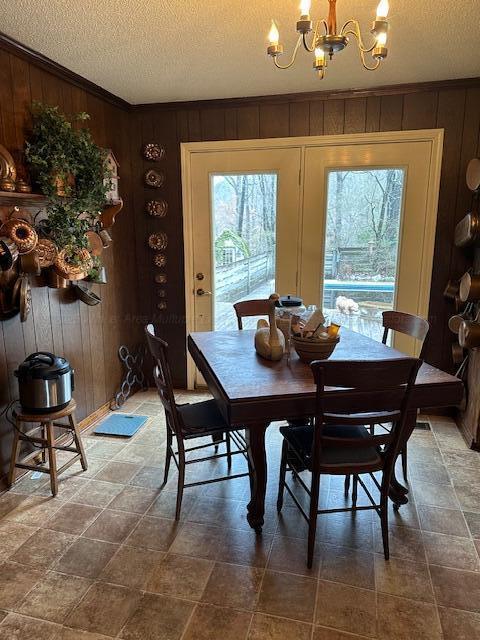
105 559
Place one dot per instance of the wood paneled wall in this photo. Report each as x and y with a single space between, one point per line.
454 106
88 336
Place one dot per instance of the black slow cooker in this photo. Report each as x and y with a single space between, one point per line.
45 382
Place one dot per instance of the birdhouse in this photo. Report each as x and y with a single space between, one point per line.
113 195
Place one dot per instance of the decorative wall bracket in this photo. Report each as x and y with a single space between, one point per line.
134 378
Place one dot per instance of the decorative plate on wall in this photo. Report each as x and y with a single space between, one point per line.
161 278
158 241
154 152
156 208
154 178
160 260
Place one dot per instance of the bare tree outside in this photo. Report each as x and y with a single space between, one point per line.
244 208
364 210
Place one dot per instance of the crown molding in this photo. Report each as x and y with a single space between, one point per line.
17 48
417 87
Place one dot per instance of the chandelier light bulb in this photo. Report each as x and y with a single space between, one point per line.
382 39
382 9
305 7
319 53
273 34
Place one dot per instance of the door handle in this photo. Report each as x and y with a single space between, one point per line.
202 292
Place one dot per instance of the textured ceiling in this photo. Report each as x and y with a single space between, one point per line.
168 50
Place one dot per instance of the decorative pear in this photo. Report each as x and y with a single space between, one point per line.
269 341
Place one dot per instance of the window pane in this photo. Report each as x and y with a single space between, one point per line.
364 209
244 210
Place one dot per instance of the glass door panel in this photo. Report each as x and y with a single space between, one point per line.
367 232
364 215
244 223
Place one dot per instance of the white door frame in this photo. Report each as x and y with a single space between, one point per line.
188 149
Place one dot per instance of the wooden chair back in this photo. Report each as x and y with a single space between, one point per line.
381 393
163 379
406 323
249 308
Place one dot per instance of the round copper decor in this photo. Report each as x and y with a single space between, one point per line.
73 265
154 152
154 178
156 208
158 241
22 234
161 278
160 259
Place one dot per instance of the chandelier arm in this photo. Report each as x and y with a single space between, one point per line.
365 65
294 56
311 48
358 35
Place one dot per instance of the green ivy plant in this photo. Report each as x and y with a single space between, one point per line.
58 151
94 273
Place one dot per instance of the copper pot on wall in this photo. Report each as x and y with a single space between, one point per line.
451 290
458 353
467 231
54 281
456 320
469 334
469 290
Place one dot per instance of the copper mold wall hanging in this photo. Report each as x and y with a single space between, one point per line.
158 241
76 269
160 260
154 178
162 293
162 305
156 208
47 252
21 233
154 152
161 278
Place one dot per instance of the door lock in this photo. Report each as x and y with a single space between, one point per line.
202 292
200 276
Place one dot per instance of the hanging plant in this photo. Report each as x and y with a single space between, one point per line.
71 170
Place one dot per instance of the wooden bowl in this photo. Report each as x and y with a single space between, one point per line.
310 349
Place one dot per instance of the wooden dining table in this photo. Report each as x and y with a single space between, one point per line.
252 393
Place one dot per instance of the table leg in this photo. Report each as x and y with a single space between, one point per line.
398 492
257 462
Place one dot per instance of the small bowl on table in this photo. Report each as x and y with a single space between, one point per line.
310 349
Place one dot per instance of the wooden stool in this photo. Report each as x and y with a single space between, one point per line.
47 442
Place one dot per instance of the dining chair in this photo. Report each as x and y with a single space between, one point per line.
412 326
342 444
249 308
186 422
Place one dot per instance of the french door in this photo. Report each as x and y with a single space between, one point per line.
345 222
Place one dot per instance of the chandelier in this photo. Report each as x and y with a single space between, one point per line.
326 40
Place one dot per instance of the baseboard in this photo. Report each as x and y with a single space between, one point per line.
94 417
84 424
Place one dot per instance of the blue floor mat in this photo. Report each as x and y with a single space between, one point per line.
121 424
